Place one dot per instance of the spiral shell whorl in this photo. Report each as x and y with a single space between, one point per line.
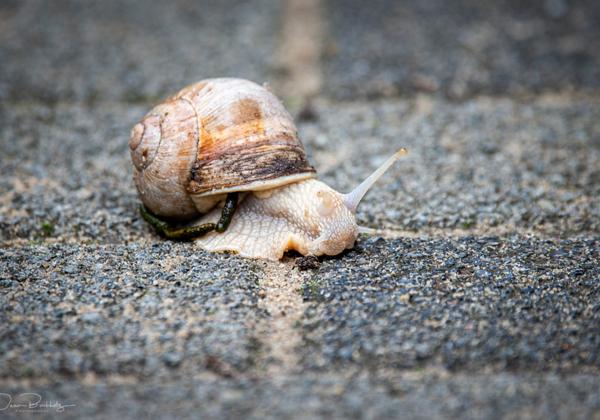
211 138
163 148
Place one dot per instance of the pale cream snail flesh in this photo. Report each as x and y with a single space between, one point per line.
223 156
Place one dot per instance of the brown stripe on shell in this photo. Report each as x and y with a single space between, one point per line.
222 138
264 161
252 138
240 135
247 112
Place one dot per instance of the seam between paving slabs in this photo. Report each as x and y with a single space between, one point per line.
299 51
278 332
299 54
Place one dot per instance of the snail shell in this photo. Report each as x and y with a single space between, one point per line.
214 137
231 135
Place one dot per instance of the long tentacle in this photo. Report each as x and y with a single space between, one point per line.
352 199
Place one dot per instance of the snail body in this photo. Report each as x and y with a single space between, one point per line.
269 223
227 136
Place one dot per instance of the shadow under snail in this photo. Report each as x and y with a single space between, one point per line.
222 157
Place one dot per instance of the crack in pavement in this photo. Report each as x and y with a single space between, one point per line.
282 300
300 50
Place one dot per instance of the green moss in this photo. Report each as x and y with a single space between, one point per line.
47 228
468 224
313 285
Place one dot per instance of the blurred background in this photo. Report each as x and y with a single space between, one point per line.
479 297
136 51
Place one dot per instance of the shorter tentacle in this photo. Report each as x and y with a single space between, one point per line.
227 212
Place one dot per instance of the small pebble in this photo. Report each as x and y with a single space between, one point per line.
309 262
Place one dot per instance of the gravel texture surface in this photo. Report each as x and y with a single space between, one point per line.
476 303
130 50
410 394
67 174
140 309
478 297
461 48
479 165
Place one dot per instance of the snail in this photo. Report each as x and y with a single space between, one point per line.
222 159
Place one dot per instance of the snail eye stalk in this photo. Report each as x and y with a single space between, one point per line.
352 199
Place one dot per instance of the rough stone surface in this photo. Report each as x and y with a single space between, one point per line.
67 173
130 50
476 166
142 309
479 300
476 303
461 48
485 164
411 394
